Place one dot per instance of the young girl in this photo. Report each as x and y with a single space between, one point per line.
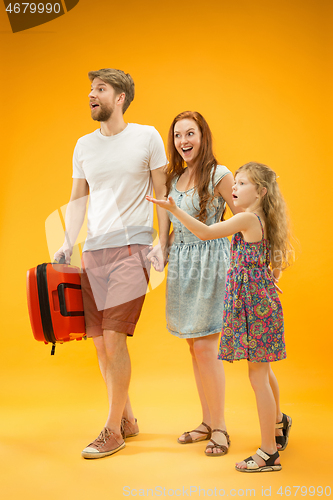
252 318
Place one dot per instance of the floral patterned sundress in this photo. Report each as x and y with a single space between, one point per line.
253 327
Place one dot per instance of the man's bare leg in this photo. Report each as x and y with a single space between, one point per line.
102 360
115 365
117 376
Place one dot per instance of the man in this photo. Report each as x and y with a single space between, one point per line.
117 165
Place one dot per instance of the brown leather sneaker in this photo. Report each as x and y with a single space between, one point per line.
128 429
106 444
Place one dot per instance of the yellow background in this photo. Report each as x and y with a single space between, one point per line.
259 73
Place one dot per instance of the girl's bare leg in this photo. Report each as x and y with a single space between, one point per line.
260 381
275 388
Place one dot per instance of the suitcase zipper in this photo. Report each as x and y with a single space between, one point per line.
44 303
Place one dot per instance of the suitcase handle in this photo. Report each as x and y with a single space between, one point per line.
62 300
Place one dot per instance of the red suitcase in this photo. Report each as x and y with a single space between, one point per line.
55 303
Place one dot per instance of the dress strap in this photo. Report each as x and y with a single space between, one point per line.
174 181
262 228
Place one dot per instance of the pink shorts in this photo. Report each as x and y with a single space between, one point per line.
114 284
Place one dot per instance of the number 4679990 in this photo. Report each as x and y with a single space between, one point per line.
33 8
303 491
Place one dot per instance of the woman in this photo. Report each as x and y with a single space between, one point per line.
197 269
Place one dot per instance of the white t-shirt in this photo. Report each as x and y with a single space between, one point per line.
117 170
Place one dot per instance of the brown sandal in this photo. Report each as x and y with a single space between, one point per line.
188 438
223 449
285 425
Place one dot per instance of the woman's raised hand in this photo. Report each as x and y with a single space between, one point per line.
168 204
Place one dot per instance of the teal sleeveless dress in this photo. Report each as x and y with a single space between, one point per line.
197 269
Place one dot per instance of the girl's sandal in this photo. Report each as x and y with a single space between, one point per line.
223 450
188 438
252 466
285 425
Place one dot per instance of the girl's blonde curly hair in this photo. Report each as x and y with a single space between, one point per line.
275 210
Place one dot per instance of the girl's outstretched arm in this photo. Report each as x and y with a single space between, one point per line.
242 222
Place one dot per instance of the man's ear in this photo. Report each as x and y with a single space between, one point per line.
121 98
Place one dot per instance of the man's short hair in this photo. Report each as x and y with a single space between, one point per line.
120 81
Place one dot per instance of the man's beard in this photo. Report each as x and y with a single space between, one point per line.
104 113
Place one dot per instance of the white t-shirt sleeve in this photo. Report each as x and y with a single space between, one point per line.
157 156
78 172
